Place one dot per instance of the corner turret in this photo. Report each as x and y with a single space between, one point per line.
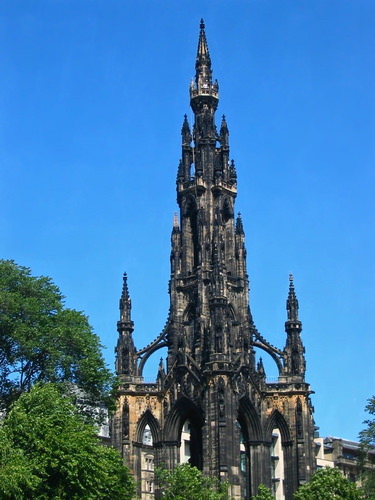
125 350
295 364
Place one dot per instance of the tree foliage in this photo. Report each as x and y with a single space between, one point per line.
42 341
16 474
263 493
328 483
367 441
188 483
49 451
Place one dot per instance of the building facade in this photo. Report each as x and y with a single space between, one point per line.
211 404
343 454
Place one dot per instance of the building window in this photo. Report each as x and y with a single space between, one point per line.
149 486
149 463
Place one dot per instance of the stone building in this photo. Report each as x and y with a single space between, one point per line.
343 454
211 404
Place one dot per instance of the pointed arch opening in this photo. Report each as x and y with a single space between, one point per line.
148 424
277 420
147 435
249 420
278 434
184 423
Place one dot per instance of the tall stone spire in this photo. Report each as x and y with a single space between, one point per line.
125 302
208 269
203 71
125 350
204 95
211 379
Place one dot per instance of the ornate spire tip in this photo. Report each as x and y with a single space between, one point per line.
125 285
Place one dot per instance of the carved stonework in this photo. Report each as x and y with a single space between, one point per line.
212 405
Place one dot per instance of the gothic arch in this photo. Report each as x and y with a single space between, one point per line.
184 409
277 421
190 206
249 421
148 419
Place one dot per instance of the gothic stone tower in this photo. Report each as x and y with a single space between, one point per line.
211 404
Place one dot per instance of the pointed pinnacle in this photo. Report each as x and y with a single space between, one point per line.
125 290
125 302
125 325
260 367
202 43
185 132
239 225
292 301
224 126
232 171
203 62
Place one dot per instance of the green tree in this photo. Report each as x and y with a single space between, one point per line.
42 341
50 451
367 462
188 483
263 493
328 483
16 475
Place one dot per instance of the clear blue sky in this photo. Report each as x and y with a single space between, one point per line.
92 97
